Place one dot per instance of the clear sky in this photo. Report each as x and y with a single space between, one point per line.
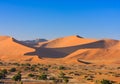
29 19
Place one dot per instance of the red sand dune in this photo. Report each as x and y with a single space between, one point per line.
71 49
12 51
102 51
67 41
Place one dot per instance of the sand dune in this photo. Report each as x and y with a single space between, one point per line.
70 49
67 41
10 50
73 48
60 47
104 51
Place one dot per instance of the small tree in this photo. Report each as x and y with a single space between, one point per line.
17 77
1 76
3 73
12 70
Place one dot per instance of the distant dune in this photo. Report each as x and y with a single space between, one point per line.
67 42
70 49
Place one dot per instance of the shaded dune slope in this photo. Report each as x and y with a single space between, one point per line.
60 47
104 51
67 52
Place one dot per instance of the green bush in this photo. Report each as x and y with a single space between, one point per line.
12 70
31 75
65 80
27 64
4 71
105 81
32 68
43 69
1 76
61 67
43 77
17 77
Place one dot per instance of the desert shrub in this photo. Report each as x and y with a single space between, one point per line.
116 75
43 77
17 64
43 69
1 63
12 70
62 67
1 76
4 71
118 67
32 68
27 64
17 77
22 64
31 75
21 82
34 65
66 80
27 68
57 81
105 81
54 67
61 75
49 66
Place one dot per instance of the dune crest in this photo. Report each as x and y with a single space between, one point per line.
67 41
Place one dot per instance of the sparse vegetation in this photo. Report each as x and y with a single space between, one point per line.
61 75
66 80
57 73
31 75
105 81
12 70
17 77
62 67
1 75
43 77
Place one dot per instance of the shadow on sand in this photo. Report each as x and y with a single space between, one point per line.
64 51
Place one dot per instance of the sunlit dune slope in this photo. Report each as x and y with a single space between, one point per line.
67 41
10 50
104 51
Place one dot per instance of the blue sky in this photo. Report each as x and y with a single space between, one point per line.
30 19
